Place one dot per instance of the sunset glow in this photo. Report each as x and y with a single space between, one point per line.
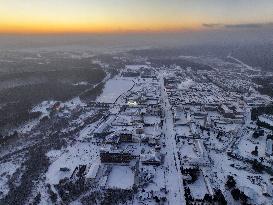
96 16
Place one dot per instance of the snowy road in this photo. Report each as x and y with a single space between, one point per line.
172 162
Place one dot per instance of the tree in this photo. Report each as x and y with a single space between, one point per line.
255 152
243 198
257 166
236 194
255 135
194 173
231 183
37 199
219 197
207 198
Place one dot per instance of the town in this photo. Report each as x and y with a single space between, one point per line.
160 134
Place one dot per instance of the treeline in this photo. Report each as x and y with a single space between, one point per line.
266 85
18 101
16 113
265 125
256 112
236 193
91 95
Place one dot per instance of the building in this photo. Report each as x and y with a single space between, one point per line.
153 158
92 174
108 155
125 136
225 111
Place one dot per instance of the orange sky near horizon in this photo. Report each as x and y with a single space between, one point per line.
46 27
119 16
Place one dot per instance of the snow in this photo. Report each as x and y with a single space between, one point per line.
246 147
121 177
72 104
151 120
136 67
267 119
123 120
113 89
157 185
243 64
87 131
75 203
223 168
152 130
93 170
208 150
227 127
198 188
81 83
183 130
27 127
85 153
54 154
43 107
186 84
174 179
7 169
187 150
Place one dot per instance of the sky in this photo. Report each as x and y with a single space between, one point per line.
114 16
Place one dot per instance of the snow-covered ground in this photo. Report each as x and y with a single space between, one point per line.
113 89
121 177
85 153
7 169
243 178
186 84
198 188
199 135
27 127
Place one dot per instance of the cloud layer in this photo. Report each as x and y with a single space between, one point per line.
240 26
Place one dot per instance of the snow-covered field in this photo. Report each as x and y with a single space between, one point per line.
113 89
121 177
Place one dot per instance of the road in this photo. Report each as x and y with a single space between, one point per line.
172 162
